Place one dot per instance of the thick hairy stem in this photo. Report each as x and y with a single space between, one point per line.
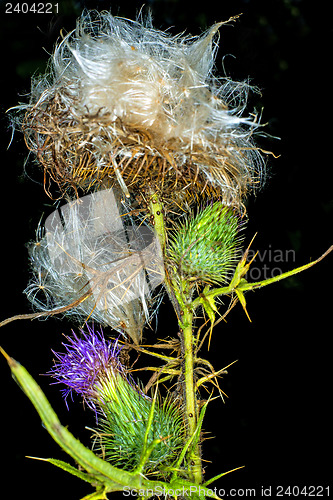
156 210
185 319
191 406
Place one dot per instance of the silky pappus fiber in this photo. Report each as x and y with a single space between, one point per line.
206 246
131 425
125 104
92 262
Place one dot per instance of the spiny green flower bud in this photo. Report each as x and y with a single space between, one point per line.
206 247
124 424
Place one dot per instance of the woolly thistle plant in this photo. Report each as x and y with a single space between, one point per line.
127 108
124 103
132 426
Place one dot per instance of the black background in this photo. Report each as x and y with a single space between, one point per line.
276 419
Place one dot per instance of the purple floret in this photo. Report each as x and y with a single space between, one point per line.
88 358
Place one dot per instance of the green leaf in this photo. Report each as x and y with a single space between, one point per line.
97 495
244 285
208 304
147 449
215 478
68 468
239 285
242 300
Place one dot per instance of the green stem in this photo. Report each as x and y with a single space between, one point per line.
156 210
191 406
180 298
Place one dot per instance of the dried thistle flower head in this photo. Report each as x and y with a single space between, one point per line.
91 368
206 247
126 103
93 265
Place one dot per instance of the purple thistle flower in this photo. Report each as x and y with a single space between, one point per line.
90 366
89 359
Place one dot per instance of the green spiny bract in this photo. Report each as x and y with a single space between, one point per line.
124 425
206 247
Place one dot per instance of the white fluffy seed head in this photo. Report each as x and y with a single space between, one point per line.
128 94
91 265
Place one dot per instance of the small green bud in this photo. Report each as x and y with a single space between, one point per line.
206 247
